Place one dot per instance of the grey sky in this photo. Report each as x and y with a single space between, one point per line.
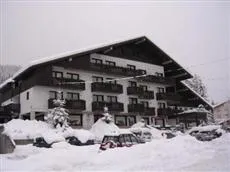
192 33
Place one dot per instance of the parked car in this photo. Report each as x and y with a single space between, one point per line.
75 141
119 140
206 133
143 134
40 142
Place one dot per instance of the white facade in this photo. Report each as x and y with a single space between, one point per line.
222 111
36 98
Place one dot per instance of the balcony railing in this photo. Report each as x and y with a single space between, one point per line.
106 87
167 112
168 97
149 111
135 90
13 107
69 83
70 104
112 106
146 95
136 107
157 79
117 70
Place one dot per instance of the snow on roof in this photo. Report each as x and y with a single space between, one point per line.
183 82
219 104
62 55
195 110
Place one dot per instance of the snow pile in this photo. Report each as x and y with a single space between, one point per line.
101 128
205 128
182 153
25 129
31 129
142 127
81 134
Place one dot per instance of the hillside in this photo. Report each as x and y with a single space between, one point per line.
7 71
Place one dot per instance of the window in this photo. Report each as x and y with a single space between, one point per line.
112 99
98 98
72 76
161 105
146 120
73 96
96 61
132 84
131 120
159 74
131 67
110 63
111 81
132 100
75 120
56 74
120 120
55 95
27 95
97 79
145 88
160 90
145 103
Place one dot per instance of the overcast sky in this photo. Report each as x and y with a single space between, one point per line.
195 34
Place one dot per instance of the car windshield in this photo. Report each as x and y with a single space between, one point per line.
110 138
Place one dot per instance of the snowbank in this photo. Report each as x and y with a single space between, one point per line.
182 153
205 128
25 129
101 128
31 129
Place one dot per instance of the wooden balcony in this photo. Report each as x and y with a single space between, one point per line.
12 107
107 87
112 106
149 111
168 97
70 104
135 90
68 83
167 112
116 70
146 95
157 79
136 107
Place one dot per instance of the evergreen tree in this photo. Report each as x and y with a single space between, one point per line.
58 116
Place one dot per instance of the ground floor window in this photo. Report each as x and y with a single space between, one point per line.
125 120
146 120
120 120
75 120
159 122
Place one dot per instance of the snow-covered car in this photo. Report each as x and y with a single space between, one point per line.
142 133
206 133
75 141
119 140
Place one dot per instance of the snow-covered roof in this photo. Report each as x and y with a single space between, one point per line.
62 55
198 95
84 50
195 110
219 104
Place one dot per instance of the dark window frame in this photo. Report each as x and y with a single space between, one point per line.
110 63
160 89
54 74
132 84
96 78
97 98
145 87
96 61
72 75
131 67
113 99
72 96
81 120
27 95
133 100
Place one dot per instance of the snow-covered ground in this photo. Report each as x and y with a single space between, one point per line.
182 153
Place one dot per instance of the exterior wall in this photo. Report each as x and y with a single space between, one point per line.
222 112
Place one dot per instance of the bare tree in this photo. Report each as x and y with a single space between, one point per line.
198 86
